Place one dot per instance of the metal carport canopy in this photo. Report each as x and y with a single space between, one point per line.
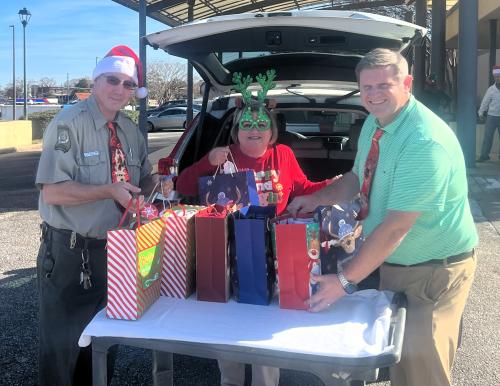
176 12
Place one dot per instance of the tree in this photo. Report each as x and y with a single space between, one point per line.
83 84
8 91
47 82
166 81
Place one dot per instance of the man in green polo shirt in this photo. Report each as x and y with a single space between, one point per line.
419 229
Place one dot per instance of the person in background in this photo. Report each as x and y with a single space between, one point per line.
278 177
94 160
490 106
410 173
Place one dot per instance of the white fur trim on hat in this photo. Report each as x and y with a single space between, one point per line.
116 64
141 92
496 71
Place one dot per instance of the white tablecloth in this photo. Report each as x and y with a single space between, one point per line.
356 326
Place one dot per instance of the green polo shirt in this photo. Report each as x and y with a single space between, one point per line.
421 168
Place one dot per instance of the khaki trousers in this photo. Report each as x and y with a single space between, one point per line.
436 299
233 374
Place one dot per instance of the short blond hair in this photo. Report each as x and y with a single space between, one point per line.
383 57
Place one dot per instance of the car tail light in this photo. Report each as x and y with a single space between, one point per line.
165 166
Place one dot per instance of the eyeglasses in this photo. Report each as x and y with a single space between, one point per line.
255 124
115 81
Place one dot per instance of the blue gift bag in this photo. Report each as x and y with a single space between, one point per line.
253 273
236 190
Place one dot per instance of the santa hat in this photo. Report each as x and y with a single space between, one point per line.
122 60
496 70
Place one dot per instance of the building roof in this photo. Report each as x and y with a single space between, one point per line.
82 95
176 12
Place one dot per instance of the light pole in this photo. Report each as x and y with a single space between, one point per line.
13 73
25 16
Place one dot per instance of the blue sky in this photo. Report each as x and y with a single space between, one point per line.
66 36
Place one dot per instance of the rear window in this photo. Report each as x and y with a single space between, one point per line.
321 121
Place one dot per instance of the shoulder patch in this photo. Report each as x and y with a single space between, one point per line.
63 139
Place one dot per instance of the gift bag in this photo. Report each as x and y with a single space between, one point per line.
252 260
296 243
134 268
179 261
340 234
236 189
212 260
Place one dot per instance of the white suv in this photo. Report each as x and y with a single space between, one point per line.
314 54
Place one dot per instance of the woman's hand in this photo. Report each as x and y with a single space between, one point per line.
218 155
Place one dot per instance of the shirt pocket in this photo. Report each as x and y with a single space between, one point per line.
94 170
134 170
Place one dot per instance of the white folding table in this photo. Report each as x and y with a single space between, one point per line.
344 345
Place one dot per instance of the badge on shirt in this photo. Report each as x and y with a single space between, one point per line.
63 140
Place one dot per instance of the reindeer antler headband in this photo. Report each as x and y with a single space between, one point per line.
247 121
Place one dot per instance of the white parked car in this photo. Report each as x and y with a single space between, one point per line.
173 118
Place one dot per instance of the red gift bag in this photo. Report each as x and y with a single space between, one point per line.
212 260
297 249
179 253
134 268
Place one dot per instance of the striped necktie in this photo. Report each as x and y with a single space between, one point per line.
119 171
370 167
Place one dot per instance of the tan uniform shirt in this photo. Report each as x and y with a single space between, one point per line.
76 148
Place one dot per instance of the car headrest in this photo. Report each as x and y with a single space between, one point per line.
280 122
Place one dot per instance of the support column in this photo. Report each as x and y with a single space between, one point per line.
419 67
493 47
438 51
467 79
189 115
142 56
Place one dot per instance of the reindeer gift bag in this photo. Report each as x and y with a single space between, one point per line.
231 188
340 234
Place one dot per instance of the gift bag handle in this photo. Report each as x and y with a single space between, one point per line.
183 207
125 212
234 163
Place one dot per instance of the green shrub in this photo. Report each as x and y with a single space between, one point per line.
133 115
41 120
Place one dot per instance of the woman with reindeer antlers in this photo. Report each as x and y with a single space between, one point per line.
277 173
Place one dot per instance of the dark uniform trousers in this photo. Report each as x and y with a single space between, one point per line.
66 307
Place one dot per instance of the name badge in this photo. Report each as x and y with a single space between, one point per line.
91 154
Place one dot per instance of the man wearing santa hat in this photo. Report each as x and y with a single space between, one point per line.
94 159
490 106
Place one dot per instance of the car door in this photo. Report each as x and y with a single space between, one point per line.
166 119
178 118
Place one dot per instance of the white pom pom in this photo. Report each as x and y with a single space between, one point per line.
141 92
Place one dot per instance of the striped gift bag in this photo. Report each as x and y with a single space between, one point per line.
134 269
179 261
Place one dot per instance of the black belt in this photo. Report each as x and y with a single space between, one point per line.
64 236
446 261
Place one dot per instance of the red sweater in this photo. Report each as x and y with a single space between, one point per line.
277 174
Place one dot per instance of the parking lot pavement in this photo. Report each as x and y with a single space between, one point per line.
476 361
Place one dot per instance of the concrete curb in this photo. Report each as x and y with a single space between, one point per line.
7 150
